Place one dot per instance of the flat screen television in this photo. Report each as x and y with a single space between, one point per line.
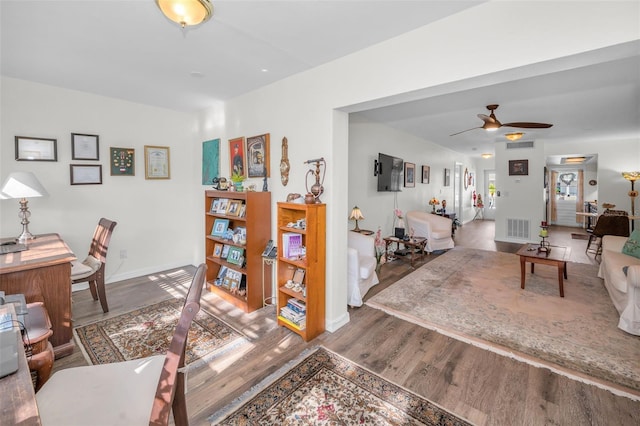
389 172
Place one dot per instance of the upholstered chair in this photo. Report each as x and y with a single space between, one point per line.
361 267
436 229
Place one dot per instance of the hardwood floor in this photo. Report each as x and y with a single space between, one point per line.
481 386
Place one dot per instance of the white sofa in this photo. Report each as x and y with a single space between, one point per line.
436 229
624 290
361 267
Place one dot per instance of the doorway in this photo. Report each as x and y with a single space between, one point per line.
490 194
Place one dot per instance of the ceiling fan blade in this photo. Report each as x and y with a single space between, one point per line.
486 118
466 131
526 125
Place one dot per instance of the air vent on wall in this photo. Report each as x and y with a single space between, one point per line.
523 144
518 228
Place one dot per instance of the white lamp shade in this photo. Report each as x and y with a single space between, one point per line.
186 12
22 185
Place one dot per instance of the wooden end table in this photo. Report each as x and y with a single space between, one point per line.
415 244
558 256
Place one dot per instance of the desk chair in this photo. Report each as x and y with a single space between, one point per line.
92 268
122 393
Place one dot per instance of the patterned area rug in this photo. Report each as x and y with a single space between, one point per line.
475 296
148 331
325 388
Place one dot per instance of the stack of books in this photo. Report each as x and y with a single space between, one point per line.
295 313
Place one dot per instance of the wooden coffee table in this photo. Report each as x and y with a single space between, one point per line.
558 256
415 244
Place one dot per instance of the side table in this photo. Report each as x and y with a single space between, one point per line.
415 244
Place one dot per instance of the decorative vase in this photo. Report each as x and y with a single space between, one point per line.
238 186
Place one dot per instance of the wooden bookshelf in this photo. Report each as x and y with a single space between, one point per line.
313 263
257 223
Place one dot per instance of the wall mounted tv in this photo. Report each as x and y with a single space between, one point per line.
389 172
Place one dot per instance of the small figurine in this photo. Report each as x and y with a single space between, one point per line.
264 185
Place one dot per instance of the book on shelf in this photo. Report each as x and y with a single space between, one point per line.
291 244
300 326
297 305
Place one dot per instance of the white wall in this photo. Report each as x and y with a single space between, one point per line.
158 220
366 140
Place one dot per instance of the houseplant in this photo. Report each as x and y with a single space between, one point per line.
237 180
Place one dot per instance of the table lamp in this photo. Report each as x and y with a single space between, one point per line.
632 177
22 185
356 215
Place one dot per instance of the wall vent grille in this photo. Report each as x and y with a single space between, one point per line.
517 145
518 228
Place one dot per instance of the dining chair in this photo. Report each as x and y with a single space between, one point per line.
608 224
138 392
92 268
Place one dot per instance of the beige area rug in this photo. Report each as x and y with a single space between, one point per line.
475 296
148 331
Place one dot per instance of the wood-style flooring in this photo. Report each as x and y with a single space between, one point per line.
481 386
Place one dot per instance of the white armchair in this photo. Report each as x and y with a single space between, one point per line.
436 229
361 267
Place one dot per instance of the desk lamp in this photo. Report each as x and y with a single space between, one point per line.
22 185
356 215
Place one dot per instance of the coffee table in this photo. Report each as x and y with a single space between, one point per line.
558 256
415 244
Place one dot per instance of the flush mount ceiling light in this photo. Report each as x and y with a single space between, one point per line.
514 136
486 156
186 12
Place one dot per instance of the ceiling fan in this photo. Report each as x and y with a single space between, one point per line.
491 123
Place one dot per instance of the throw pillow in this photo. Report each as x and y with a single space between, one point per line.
632 246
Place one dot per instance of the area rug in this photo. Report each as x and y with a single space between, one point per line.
325 388
148 331
475 296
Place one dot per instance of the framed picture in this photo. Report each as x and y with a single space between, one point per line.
223 205
214 205
409 175
518 167
84 147
217 250
36 149
447 177
85 174
236 156
234 255
426 171
123 161
234 207
298 276
210 161
156 162
225 251
222 273
220 227
258 156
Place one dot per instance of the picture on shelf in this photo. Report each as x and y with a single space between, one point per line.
217 250
243 210
240 235
234 207
298 276
215 205
220 227
291 244
223 205
234 255
222 273
225 251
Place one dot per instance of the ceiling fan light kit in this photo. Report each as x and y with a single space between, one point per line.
186 13
514 136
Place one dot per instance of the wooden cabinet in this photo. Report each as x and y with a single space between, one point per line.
308 264
249 214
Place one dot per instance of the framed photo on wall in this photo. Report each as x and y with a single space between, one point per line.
236 157
156 162
85 147
210 161
258 156
426 172
409 175
518 167
123 161
36 149
447 177
85 174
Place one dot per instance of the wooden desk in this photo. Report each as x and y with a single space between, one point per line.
43 274
18 402
412 245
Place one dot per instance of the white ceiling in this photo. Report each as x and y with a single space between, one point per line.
128 50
